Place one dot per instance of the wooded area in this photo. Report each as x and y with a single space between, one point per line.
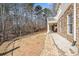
21 19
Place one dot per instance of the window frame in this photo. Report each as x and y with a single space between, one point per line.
69 23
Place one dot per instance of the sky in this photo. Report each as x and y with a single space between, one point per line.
50 6
44 5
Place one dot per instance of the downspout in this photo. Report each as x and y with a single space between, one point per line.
74 42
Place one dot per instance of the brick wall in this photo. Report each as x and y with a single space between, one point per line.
62 29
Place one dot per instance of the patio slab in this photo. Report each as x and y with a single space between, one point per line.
63 44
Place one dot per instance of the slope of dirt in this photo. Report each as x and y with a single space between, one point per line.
29 45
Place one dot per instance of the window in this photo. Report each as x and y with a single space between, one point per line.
70 23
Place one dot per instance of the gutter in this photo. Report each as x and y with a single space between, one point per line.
62 10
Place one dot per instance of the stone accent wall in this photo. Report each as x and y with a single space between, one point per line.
62 27
77 24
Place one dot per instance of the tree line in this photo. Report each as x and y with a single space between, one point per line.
21 19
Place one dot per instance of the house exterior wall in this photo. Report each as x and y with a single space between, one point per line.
62 24
77 23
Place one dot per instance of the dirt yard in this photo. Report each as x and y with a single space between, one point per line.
29 45
35 44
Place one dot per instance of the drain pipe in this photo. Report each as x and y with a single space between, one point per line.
74 42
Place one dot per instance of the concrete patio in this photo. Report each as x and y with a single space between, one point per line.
64 45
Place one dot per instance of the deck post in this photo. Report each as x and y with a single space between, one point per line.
47 26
